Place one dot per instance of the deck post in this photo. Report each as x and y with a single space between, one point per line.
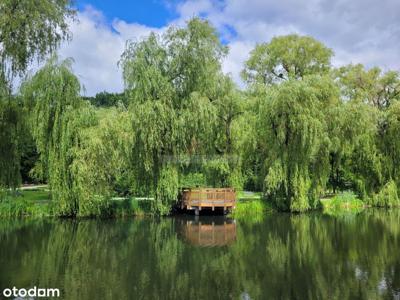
197 211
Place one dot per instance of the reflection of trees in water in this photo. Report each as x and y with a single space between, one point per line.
286 257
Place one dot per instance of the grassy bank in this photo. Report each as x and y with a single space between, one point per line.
38 203
345 202
32 203
251 206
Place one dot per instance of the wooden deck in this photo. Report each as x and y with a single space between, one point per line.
208 198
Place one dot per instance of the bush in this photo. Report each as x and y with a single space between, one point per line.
388 196
252 210
344 200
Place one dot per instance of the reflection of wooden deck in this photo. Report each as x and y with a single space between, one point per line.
207 235
208 198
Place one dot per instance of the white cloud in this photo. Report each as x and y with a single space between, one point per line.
359 31
96 48
233 64
194 7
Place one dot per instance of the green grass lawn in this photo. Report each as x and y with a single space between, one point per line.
251 206
32 202
37 195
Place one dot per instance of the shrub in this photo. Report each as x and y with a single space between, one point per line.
388 196
254 210
344 200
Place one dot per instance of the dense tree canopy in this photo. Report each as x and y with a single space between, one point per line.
172 82
293 131
31 29
370 86
300 129
28 29
286 57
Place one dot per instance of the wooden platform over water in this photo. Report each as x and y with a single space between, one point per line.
208 198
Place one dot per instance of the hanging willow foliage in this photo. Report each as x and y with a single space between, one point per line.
10 140
49 94
52 95
29 30
171 82
294 132
99 158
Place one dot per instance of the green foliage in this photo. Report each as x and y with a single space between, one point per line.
287 57
299 131
388 196
345 200
167 190
28 29
29 203
252 210
11 118
192 180
132 207
73 157
31 29
100 158
171 81
52 95
370 86
293 130
389 142
49 103
217 171
22 208
105 99
195 58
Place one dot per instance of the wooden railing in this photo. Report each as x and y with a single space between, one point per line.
223 197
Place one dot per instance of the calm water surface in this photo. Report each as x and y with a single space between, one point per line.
280 257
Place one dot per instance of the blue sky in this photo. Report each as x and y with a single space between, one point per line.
154 13
358 31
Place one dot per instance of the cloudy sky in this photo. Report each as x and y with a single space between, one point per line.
359 31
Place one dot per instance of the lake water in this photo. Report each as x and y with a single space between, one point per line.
282 256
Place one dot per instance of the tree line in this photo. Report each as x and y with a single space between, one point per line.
298 130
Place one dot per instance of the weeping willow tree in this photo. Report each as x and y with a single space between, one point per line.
101 158
293 133
154 119
389 136
355 155
225 169
368 130
286 57
370 86
171 82
10 149
29 30
389 145
52 96
288 77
